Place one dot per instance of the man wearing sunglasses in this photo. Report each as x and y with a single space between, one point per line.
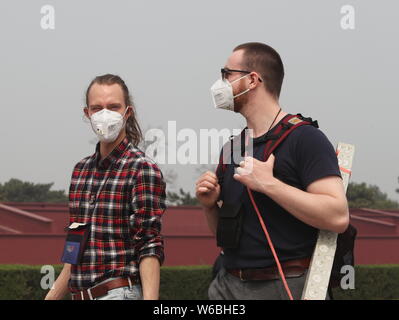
298 190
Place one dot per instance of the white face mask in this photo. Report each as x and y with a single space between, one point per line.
107 124
222 94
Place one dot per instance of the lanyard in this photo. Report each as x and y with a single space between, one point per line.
89 212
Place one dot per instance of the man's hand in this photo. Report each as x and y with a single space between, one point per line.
207 189
323 205
256 175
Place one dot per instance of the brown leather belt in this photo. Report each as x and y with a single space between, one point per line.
102 289
292 268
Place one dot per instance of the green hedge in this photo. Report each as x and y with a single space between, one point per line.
180 283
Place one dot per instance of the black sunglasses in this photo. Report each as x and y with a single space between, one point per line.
227 71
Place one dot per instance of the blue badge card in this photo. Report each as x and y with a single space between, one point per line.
71 252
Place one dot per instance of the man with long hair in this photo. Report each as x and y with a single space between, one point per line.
113 248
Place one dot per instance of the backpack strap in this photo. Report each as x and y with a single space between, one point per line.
287 125
283 129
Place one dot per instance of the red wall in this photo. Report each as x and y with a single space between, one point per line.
187 238
31 249
24 222
47 249
377 250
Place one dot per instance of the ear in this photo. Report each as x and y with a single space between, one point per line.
129 112
254 80
86 111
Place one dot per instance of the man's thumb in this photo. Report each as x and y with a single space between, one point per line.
271 159
237 177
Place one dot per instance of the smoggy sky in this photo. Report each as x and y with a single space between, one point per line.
170 53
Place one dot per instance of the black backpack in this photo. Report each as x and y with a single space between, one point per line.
344 255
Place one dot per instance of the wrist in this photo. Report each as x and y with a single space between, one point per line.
271 186
51 296
150 297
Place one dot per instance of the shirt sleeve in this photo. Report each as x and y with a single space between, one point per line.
316 157
148 203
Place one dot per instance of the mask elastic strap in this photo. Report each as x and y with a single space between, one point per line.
237 95
125 111
123 117
245 91
239 78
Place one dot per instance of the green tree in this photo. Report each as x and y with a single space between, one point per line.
361 195
181 198
19 191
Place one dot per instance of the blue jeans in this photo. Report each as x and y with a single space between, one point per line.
123 293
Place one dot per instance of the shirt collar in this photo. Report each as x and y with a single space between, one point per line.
115 154
266 136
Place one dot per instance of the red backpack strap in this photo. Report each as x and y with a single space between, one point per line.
288 124
283 129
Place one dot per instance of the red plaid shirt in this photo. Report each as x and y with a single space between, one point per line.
123 199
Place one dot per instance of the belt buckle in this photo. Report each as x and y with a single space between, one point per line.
130 283
82 294
90 295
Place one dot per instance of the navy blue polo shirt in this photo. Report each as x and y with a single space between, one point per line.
305 156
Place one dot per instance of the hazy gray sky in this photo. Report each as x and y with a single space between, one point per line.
170 53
